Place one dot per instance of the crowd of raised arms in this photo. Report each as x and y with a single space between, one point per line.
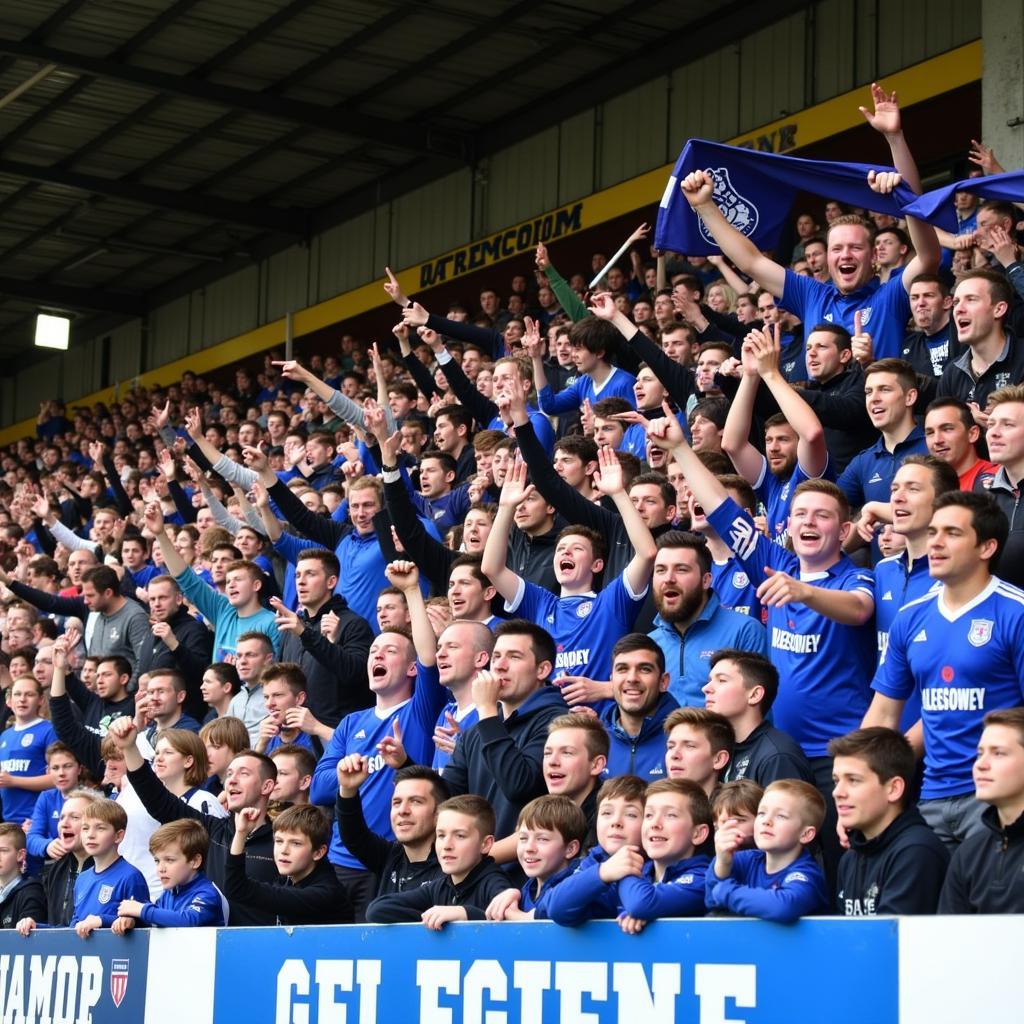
693 594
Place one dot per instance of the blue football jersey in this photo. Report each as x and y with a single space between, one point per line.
585 627
23 754
964 663
824 666
775 494
732 584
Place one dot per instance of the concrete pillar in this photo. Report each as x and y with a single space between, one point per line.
1002 82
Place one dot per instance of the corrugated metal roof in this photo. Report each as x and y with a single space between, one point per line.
172 130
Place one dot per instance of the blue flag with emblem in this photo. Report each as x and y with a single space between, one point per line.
937 207
755 192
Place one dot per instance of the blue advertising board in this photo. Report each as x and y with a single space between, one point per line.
712 971
54 976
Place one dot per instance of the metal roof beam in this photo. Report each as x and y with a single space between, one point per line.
63 296
310 115
267 218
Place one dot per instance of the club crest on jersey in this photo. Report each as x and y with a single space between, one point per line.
739 211
740 580
584 609
980 632
118 980
26 740
865 316
106 891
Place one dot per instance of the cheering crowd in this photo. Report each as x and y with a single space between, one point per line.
694 592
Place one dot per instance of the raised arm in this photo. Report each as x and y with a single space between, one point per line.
571 303
610 482
154 519
514 490
812 451
885 118
699 190
749 462
406 577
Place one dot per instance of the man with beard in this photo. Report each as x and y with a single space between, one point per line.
794 439
691 623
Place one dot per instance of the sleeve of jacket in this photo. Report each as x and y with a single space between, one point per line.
955 897
487 338
578 898
185 508
291 901
319 528
783 905
346 658
641 898
85 744
915 889
845 411
194 651
47 541
160 802
421 376
370 849
482 409
400 907
193 916
33 904
679 381
571 303
121 499
493 885
517 771
37 840
50 603
569 502
431 557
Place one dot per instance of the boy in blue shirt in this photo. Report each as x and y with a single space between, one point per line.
586 894
111 879
550 833
583 624
677 823
23 751
189 898
779 881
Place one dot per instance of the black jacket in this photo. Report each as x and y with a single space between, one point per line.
318 899
191 657
59 877
85 735
1008 498
386 859
898 872
839 404
26 899
766 755
164 806
501 760
986 875
473 894
336 682
958 379
533 558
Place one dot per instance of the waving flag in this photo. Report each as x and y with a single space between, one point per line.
936 207
755 192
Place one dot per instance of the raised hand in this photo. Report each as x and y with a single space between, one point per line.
861 344
391 748
445 735
167 466
641 232
602 305
541 258
154 518
1000 243
431 337
698 187
665 432
401 332
533 344
124 732
486 689
194 423
161 417
608 479
245 820
96 450
515 488
985 157
394 289
885 118
330 626
415 315
292 369
353 771
402 574
285 619
376 421
884 182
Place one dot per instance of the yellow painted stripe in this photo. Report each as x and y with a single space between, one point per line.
914 84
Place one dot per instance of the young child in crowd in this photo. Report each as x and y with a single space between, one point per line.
20 895
550 831
586 894
189 898
780 880
465 835
735 804
308 891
